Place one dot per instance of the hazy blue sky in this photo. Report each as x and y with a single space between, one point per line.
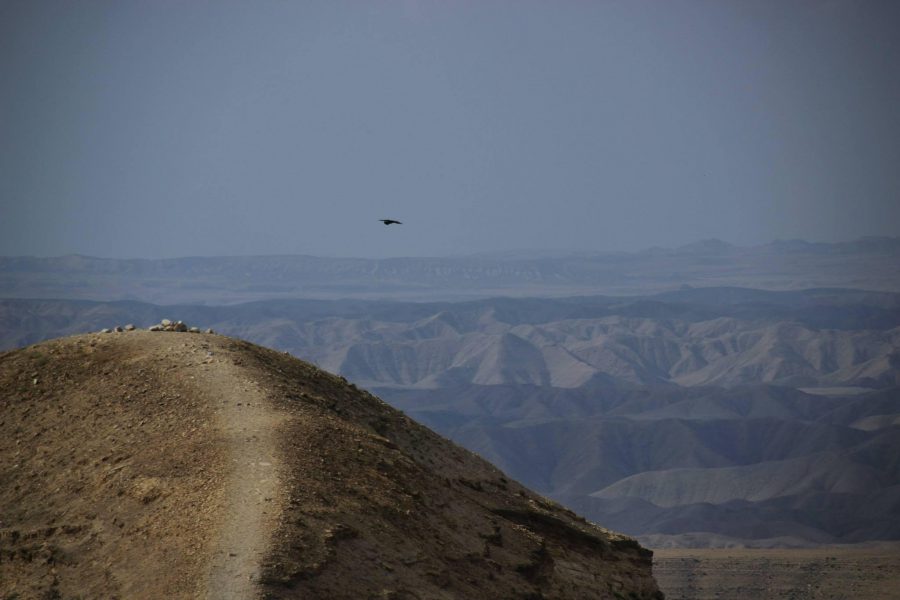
157 129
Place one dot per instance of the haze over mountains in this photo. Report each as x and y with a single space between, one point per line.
705 416
868 263
581 286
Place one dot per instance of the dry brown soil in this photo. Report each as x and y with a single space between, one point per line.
832 573
135 465
176 465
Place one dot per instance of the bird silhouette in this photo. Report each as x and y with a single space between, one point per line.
390 221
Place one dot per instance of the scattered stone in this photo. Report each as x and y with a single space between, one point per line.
147 489
105 330
209 330
180 326
129 327
118 329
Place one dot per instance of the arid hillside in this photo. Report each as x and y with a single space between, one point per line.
714 416
180 465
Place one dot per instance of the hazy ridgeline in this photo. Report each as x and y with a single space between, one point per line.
868 263
703 416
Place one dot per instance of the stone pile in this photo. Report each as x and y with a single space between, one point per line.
167 325
164 325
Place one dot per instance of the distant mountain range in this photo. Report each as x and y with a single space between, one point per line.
696 416
868 263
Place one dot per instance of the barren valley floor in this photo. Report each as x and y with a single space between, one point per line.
832 573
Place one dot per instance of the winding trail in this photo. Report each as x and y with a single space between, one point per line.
253 495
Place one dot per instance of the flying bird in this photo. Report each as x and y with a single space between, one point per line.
390 221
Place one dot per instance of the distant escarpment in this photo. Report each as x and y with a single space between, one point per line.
868 263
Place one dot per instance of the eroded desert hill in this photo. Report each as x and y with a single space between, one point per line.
164 465
597 402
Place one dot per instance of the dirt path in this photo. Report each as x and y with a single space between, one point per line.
253 496
148 465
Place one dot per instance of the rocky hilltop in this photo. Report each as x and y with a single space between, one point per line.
141 464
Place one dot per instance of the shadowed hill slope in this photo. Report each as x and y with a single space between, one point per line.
155 464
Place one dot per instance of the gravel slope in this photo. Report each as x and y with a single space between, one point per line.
149 465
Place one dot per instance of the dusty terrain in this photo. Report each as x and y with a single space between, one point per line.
828 573
705 412
176 465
